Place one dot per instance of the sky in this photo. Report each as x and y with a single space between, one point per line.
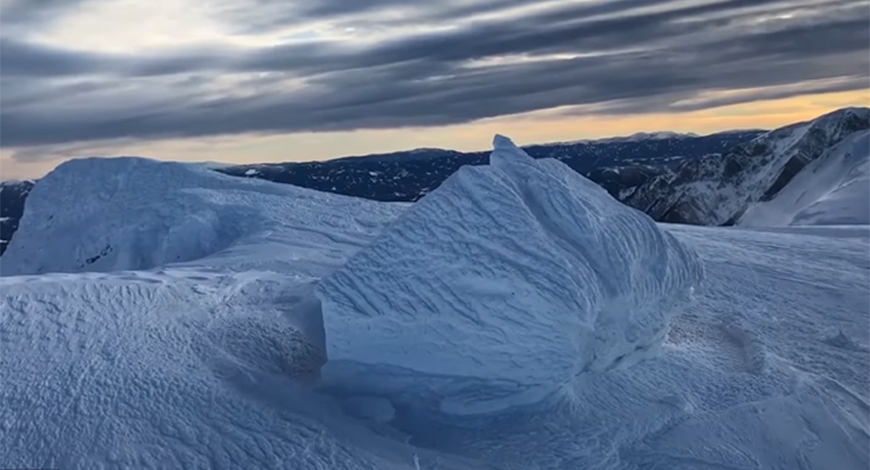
298 80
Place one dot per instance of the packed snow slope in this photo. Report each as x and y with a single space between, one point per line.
718 189
213 362
832 190
502 286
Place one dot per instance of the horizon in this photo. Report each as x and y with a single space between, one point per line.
258 81
4 179
600 139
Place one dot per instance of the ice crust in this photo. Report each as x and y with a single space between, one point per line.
500 287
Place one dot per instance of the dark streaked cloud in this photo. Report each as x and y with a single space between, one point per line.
565 29
613 57
30 12
260 15
18 58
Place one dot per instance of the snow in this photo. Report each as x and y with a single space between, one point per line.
718 190
637 137
501 286
847 202
832 190
195 364
660 135
212 362
377 409
165 370
15 181
213 165
134 213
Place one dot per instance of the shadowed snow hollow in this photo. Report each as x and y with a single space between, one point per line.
130 213
500 287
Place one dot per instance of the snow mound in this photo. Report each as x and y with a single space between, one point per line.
131 213
500 287
832 190
164 370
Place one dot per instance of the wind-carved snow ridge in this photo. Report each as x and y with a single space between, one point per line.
124 213
500 287
131 213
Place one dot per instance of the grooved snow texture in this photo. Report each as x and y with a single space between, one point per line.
130 213
501 286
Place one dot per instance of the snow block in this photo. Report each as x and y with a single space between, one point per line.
501 286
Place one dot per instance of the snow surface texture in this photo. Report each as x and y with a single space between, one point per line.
131 213
502 286
200 364
194 364
832 190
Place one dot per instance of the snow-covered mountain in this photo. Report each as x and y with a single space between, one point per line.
13 193
195 340
718 189
622 181
832 190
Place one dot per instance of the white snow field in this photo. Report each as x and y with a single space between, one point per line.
502 286
832 190
212 361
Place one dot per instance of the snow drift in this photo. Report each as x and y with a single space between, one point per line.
131 213
500 287
160 370
832 190
192 364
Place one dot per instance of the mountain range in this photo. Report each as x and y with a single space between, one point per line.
407 176
719 189
614 163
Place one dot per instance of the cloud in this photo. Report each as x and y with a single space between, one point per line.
53 153
18 58
35 12
616 57
267 15
772 93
